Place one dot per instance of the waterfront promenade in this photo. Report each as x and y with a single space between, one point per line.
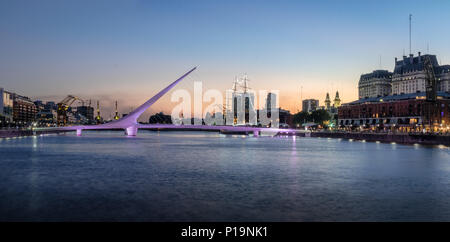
401 138
10 133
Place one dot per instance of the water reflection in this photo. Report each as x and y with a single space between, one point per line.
202 176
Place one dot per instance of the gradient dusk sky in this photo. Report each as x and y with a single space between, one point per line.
128 50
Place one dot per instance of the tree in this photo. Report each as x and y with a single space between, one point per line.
318 116
300 118
160 118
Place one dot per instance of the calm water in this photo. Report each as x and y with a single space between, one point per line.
200 176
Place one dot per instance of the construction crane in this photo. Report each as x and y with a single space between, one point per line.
430 79
63 108
116 117
431 106
98 118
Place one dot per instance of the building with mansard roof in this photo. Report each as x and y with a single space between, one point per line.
375 84
407 106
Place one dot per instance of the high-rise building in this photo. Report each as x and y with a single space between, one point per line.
6 107
87 112
271 96
244 104
24 110
309 105
375 84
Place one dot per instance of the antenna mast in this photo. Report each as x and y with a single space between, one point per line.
99 118
116 117
245 83
301 97
410 16
235 83
380 62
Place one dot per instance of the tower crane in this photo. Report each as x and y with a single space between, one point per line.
430 80
116 117
431 106
63 108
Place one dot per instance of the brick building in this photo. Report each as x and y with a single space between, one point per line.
407 112
414 97
24 110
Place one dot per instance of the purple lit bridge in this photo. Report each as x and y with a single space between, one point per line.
130 124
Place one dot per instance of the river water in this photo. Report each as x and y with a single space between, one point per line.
203 176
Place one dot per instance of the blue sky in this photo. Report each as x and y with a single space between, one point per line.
128 50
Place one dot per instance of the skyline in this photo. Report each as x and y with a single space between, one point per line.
127 50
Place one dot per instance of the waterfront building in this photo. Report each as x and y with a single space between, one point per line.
443 76
375 84
39 105
46 117
50 105
73 118
271 96
409 75
409 106
405 112
6 107
46 113
87 113
309 105
24 110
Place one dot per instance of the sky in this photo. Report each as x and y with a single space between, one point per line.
128 50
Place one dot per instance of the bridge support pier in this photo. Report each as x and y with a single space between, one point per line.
255 133
79 132
131 131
